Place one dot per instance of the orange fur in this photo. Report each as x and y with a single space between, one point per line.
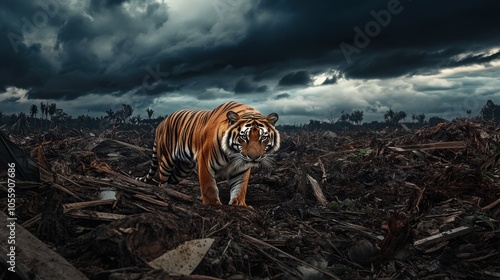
224 142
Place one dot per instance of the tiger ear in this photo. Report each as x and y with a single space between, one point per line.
272 118
232 117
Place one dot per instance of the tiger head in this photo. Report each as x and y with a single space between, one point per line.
250 139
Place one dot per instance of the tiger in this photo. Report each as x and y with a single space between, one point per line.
227 142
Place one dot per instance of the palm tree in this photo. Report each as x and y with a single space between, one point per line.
150 113
356 117
52 109
400 116
110 115
43 109
421 118
60 117
393 117
33 112
126 111
344 116
389 115
47 110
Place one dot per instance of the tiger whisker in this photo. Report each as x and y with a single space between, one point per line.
266 162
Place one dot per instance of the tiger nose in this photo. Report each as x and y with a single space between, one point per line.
254 155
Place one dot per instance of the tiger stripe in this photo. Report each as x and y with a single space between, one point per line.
224 142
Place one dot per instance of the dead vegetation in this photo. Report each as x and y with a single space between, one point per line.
395 204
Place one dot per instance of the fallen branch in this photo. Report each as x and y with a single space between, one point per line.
477 259
491 205
79 205
178 195
31 221
151 200
65 190
106 169
95 215
443 236
431 146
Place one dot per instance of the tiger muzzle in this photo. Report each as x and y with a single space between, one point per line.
254 152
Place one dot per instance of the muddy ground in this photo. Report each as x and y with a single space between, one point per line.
346 205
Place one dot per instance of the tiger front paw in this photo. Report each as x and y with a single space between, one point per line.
237 202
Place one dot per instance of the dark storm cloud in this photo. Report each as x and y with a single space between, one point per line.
104 4
474 59
282 96
244 86
98 50
424 37
300 78
76 70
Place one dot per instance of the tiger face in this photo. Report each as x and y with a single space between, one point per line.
250 139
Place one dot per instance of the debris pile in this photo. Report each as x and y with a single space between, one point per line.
396 203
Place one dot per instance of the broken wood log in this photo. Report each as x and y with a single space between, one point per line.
79 205
31 257
65 190
431 146
151 200
106 169
95 215
491 205
443 236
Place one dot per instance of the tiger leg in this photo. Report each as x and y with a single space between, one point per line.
165 169
208 185
181 170
238 184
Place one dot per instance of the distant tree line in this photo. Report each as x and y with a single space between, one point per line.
124 118
490 111
53 117
349 121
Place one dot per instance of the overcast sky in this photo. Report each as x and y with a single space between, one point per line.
300 59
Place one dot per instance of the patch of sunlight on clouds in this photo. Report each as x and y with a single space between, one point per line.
14 93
